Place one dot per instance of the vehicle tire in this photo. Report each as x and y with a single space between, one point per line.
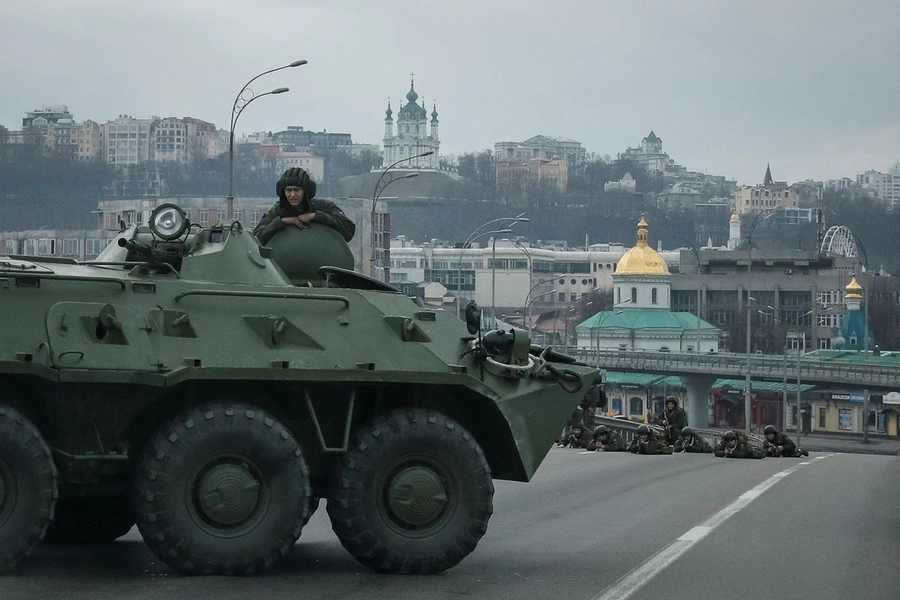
413 493
90 520
222 489
27 487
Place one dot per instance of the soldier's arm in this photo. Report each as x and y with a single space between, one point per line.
268 226
330 214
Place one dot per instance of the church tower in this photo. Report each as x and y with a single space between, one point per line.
388 123
412 136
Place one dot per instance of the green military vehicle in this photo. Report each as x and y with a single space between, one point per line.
183 382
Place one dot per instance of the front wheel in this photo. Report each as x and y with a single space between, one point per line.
223 489
27 487
413 494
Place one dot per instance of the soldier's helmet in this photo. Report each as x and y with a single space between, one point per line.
601 431
687 432
730 437
643 430
770 429
672 399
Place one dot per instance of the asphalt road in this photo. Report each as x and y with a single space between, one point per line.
590 526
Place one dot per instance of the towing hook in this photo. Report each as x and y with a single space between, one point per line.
567 379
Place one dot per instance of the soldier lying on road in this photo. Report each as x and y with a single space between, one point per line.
778 444
608 441
736 444
689 441
649 441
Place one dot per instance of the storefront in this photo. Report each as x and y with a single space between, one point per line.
634 395
891 409
767 403
841 411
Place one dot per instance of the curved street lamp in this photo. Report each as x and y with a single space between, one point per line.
377 250
472 237
241 101
528 305
380 185
747 383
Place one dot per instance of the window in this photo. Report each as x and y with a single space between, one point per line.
634 295
618 295
653 295
573 297
562 296
636 406
822 413
845 419
204 217
93 246
239 215
70 247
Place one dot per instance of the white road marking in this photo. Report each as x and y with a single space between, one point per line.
642 574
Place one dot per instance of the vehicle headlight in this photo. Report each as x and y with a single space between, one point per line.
168 222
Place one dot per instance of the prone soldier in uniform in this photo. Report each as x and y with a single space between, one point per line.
648 441
778 444
736 444
608 441
690 441
673 419
578 437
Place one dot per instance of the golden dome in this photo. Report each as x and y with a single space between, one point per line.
735 218
642 259
853 289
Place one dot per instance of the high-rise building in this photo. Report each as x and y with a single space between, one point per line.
886 186
126 140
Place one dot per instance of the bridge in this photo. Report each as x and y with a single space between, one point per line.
874 370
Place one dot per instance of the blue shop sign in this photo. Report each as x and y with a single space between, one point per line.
845 397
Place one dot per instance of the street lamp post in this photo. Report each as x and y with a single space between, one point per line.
747 383
377 248
520 218
530 302
380 185
472 237
241 101
566 324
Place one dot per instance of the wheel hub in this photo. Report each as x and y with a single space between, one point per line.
228 494
417 496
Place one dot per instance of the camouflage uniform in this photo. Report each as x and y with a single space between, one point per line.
578 437
608 441
788 447
653 444
741 449
673 420
689 441
327 213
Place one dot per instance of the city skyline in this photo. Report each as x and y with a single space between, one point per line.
807 94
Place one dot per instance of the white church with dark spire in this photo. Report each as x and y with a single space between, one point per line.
413 136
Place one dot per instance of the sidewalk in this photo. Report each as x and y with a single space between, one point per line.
852 444
837 442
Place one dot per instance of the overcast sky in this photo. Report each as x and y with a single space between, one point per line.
812 87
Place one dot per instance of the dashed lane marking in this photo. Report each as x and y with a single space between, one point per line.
642 574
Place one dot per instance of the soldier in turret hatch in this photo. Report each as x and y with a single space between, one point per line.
778 444
736 444
296 207
608 441
690 441
649 441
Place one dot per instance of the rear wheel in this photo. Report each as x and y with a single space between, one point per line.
223 489
90 520
413 494
27 487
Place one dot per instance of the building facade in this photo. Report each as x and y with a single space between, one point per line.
885 186
649 155
536 170
771 195
412 136
543 147
126 141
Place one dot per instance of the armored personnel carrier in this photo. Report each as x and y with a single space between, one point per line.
182 382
